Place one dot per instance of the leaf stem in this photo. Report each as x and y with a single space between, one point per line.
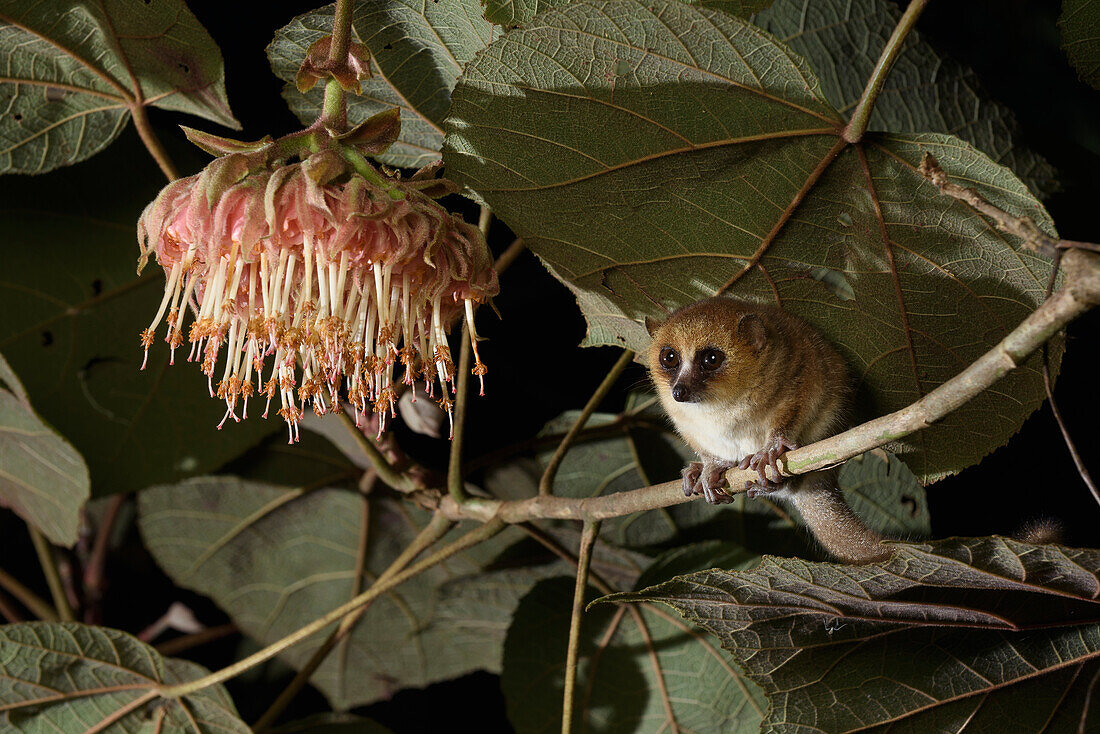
470 539
436 528
186 642
509 255
93 571
546 483
861 116
390 476
38 606
584 559
152 142
454 466
49 567
334 111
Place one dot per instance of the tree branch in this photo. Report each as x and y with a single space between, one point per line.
1079 292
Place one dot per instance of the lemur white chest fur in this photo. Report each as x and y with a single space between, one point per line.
716 430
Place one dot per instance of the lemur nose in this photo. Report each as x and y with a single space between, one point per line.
679 393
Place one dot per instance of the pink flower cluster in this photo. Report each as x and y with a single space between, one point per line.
318 271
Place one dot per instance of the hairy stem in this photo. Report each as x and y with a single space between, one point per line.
49 567
584 559
454 465
152 142
546 483
509 256
390 476
861 116
470 539
38 606
334 109
433 531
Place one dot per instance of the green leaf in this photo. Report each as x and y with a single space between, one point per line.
417 51
42 477
275 558
975 634
511 13
925 91
73 71
73 310
1080 24
637 672
73 678
726 168
886 495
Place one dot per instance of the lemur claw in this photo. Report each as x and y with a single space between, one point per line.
691 474
768 456
707 479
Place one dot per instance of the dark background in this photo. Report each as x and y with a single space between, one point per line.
1014 47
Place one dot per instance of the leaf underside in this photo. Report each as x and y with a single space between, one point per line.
974 635
72 73
274 557
73 678
653 154
42 477
417 52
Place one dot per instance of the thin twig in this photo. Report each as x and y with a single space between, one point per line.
186 642
458 431
49 567
546 483
37 606
93 571
861 115
470 539
509 256
8 611
1025 228
584 559
433 531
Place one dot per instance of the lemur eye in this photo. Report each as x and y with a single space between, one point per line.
711 359
670 360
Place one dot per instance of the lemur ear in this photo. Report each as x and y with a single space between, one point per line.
751 328
652 324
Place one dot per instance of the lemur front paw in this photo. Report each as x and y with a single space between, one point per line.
691 474
768 456
708 479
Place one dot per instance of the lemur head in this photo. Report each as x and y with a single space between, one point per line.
707 351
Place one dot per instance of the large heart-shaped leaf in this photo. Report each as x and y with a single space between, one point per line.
974 635
417 51
72 678
655 153
275 558
74 71
639 670
926 91
42 477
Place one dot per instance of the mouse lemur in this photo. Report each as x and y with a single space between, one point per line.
745 383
